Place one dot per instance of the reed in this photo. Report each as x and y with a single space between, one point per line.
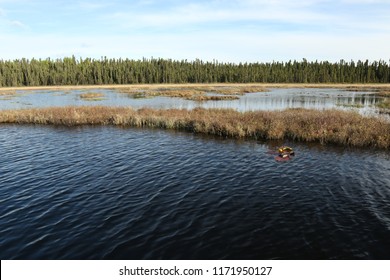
212 97
239 89
384 92
192 92
328 126
183 93
385 104
91 96
351 105
7 92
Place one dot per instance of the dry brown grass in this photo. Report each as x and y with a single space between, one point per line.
328 126
139 92
183 93
384 92
212 97
192 92
238 89
7 92
91 95
385 104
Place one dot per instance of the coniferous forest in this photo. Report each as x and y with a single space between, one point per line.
72 71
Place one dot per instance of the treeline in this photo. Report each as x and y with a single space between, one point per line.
72 71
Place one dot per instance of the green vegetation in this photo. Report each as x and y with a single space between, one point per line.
327 126
72 71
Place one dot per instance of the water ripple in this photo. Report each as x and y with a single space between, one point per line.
109 193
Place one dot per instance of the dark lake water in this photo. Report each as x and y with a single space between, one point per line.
275 99
121 193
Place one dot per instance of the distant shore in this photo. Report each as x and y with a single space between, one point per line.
265 85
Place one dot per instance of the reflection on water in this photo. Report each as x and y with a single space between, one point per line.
279 99
275 99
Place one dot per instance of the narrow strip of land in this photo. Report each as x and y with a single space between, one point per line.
327 126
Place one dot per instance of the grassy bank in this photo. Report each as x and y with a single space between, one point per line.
328 126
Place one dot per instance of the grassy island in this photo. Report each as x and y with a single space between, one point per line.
326 126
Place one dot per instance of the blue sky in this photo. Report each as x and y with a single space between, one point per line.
229 31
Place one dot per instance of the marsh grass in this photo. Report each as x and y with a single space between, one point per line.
384 92
359 88
327 126
239 89
212 97
182 93
192 92
7 97
379 91
138 95
7 92
92 96
385 104
351 105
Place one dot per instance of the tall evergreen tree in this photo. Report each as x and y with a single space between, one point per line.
72 71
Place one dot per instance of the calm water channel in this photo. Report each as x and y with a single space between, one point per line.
122 193
275 99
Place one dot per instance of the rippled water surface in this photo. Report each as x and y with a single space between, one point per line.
113 193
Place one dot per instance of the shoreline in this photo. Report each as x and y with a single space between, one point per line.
303 125
200 85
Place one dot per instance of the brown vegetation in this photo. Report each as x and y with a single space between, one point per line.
384 92
238 89
385 104
328 126
212 97
91 96
193 92
7 92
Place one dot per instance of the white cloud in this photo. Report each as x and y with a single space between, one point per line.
18 24
305 14
214 13
239 30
